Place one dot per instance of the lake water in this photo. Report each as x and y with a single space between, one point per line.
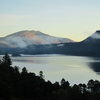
75 69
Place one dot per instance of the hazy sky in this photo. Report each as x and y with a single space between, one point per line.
75 19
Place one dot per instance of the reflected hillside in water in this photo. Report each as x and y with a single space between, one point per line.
56 66
95 66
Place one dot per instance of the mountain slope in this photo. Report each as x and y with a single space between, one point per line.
23 39
94 38
35 42
88 47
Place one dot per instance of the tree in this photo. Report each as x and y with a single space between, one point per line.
64 84
16 69
41 74
90 85
6 60
24 70
62 81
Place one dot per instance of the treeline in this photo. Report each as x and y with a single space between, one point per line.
24 85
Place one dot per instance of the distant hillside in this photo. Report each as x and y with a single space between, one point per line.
23 39
35 42
88 47
94 38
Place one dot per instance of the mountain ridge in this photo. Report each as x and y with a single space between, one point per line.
24 38
94 38
88 47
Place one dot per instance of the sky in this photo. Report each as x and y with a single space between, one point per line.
74 19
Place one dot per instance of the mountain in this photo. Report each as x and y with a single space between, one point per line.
88 47
35 42
94 38
23 39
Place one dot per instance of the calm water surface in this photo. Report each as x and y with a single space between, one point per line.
75 69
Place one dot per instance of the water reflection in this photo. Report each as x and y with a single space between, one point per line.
75 69
95 66
28 59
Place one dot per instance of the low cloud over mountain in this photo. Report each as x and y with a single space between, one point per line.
35 42
23 39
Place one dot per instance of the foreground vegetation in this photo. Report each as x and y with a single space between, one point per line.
24 85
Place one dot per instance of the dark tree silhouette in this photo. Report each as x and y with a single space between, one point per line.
41 74
6 60
62 81
24 85
24 70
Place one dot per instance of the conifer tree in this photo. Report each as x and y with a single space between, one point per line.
6 60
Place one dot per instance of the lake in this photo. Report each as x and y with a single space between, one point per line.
75 69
